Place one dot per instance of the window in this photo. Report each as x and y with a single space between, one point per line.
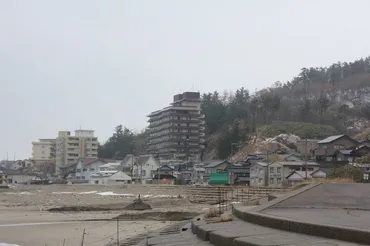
92 169
278 180
279 170
143 173
271 169
271 180
324 146
78 170
338 146
84 170
310 169
260 181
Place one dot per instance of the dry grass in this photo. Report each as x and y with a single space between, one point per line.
211 213
222 218
330 180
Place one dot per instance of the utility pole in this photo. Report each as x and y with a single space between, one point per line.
132 160
187 149
118 230
305 159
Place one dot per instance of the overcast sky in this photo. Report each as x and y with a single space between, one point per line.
97 64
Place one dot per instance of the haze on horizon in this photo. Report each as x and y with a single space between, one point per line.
97 64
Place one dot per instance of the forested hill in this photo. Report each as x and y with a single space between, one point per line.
318 102
329 100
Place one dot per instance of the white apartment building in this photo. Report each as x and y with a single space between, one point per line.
71 148
44 151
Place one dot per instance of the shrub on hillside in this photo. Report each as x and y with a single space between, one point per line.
300 129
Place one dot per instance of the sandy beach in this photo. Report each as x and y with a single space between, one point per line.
26 221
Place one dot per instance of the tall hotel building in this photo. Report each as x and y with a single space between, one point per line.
177 131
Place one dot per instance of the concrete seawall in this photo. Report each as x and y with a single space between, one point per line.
259 217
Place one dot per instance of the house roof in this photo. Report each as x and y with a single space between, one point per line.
113 175
297 163
110 164
213 163
318 171
330 139
142 159
295 176
89 161
127 158
291 154
8 171
167 167
260 163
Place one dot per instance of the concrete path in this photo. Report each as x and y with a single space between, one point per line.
240 233
357 219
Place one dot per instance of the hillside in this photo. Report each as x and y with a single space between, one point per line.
317 103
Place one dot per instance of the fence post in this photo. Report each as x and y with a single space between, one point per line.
219 200
242 195
118 227
232 193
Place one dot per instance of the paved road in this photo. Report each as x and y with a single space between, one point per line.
331 196
358 219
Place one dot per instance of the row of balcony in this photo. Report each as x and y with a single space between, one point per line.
175 134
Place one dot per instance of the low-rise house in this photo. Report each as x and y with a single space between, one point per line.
127 162
86 168
110 166
199 172
278 171
259 174
351 154
144 168
214 166
110 177
299 176
306 147
326 148
292 157
239 173
17 176
165 169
